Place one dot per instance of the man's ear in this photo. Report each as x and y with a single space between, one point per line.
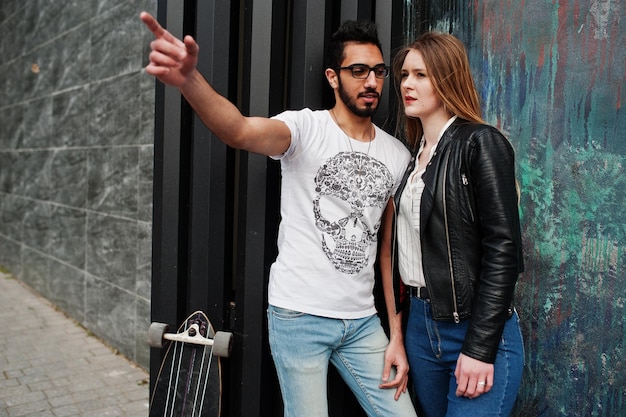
331 77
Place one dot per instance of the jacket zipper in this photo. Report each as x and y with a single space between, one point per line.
469 203
455 314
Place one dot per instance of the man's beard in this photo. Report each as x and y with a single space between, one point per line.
351 102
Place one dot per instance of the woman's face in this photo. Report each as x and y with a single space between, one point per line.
419 96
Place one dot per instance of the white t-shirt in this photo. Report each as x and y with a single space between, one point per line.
334 191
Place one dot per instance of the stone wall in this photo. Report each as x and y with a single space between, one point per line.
76 161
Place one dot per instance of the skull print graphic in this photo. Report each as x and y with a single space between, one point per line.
350 183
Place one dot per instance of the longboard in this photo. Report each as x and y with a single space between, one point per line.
189 382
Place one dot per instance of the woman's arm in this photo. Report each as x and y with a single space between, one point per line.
395 355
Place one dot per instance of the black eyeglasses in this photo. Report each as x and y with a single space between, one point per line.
362 71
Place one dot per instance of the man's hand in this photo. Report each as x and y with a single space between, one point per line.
396 356
171 60
473 377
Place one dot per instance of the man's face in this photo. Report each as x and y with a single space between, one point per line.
361 96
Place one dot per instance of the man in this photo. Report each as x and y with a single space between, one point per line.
338 174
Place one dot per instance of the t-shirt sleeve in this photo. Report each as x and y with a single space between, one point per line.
292 119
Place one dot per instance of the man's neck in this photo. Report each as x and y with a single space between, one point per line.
354 126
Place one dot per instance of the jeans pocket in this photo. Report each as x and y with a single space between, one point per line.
512 338
285 313
521 336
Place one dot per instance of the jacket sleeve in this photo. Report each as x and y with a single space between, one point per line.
492 166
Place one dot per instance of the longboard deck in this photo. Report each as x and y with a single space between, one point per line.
189 382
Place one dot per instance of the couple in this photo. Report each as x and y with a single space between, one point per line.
450 250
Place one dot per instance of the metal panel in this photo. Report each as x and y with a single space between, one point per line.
356 10
166 215
388 18
307 59
252 373
209 205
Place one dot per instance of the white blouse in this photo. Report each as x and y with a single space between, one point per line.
408 222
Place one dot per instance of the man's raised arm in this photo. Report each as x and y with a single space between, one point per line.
173 62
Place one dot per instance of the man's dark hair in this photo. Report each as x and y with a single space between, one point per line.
350 31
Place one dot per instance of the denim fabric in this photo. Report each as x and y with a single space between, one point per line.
433 348
303 345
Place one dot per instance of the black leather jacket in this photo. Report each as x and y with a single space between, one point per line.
470 233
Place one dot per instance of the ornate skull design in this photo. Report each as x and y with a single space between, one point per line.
346 185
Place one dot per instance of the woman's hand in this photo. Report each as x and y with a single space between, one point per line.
473 377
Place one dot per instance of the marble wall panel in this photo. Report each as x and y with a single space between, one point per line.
66 289
9 181
35 269
115 119
37 123
68 228
11 255
5 82
12 216
13 82
34 174
70 117
12 27
9 8
146 125
37 69
110 313
72 58
144 260
142 352
51 18
34 18
113 181
114 46
112 250
146 178
12 127
36 224
68 172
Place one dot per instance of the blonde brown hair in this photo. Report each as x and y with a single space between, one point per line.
448 68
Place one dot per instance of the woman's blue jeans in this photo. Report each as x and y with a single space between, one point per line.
433 348
303 346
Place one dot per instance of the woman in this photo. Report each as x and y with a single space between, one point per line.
453 243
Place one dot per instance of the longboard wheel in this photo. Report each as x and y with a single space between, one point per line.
222 344
155 334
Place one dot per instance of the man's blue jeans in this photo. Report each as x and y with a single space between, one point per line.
302 347
433 348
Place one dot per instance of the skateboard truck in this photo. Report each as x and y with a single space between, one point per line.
222 342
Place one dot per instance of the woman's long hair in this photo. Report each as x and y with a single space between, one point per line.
448 67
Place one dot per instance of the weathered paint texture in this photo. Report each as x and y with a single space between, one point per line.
551 75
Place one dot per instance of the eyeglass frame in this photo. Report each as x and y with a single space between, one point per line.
370 69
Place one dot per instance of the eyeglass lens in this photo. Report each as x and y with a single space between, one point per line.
363 71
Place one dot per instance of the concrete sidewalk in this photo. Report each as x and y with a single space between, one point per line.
50 366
